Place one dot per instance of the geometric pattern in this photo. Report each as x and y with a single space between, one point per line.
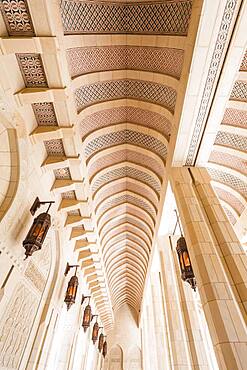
62 173
54 147
125 114
228 197
92 59
169 17
243 66
239 91
126 171
228 160
127 198
126 137
231 140
32 70
45 114
230 216
126 88
126 185
131 220
68 195
235 117
124 209
229 180
215 63
17 17
123 155
74 212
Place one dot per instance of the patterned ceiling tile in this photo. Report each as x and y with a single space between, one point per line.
32 70
231 140
17 17
129 228
124 114
123 186
126 198
92 59
74 212
45 114
230 180
126 155
231 199
54 147
121 89
126 137
235 117
62 173
68 195
230 216
126 218
239 91
229 160
166 17
127 209
243 66
126 171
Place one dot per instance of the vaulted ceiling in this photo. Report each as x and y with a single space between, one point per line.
125 62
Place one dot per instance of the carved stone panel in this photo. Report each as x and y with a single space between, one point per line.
17 17
16 325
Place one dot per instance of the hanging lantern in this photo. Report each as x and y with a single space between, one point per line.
187 273
72 288
95 332
101 342
37 233
104 349
87 317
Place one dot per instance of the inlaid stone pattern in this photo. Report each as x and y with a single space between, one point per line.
126 137
17 17
54 147
32 70
231 199
229 160
62 173
45 114
121 89
74 212
92 59
124 114
119 156
230 180
68 195
126 171
128 198
243 66
235 117
239 91
230 216
166 17
232 140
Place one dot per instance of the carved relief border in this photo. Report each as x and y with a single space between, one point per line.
214 67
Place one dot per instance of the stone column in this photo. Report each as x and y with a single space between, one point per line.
162 348
177 337
218 261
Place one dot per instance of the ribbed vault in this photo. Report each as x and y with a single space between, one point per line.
228 160
125 87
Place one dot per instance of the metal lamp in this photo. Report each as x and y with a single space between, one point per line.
39 229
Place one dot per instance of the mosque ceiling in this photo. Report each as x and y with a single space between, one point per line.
125 89
127 66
